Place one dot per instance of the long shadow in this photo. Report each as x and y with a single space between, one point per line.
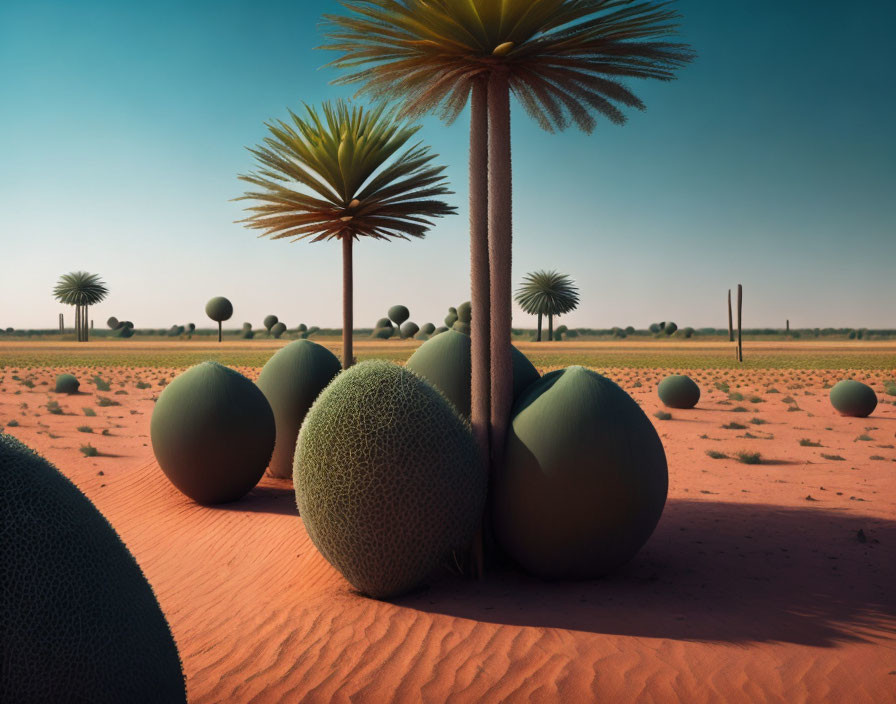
712 571
270 496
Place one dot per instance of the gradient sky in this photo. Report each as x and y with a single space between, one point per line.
771 161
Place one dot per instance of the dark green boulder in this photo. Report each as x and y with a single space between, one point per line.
112 323
290 381
383 333
428 328
408 330
387 478
444 361
679 391
67 384
398 314
383 323
853 398
439 330
277 329
461 327
79 621
212 433
585 477
270 321
464 312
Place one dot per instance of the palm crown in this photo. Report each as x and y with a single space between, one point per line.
79 288
343 159
563 58
547 293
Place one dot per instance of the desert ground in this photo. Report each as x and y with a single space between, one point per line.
771 576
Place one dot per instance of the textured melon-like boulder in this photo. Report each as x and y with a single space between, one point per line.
79 621
67 384
445 362
585 480
387 478
679 391
290 381
853 398
213 433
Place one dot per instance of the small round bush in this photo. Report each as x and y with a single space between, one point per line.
112 323
219 309
409 329
585 477
213 433
428 328
679 391
383 333
278 329
461 327
398 314
853 398
439 330
387 502
67 384
450 319
464 312
270 321
290 381
383 323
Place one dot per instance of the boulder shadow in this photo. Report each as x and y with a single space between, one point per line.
712 571
269 496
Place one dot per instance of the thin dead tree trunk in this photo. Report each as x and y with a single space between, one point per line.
347 293
61 323
730 321
480 325
550 327
538 337
740 341
500 235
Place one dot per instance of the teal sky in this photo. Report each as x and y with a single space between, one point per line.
771 162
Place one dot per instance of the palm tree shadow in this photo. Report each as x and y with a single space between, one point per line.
712 571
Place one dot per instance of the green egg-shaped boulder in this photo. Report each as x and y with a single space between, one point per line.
445 362
387 478
409 329
853 398
213 433
465 312
290 381
270 321
383 333
383 323
80 623
277 329
679 391
398 314
67 384
461 327
219 309
439 330
428 328
585 477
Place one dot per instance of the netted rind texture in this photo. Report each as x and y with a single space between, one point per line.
213 433
67 384
585 477
290 381
445 362
387 478
78 622
853 398
678 391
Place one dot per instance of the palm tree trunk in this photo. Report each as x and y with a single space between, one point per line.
78 322
86 326
480 328
538 336
347 309
550 327
500 235
730 319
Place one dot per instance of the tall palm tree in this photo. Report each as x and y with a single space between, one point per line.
333 176
547 293
81 290
562 59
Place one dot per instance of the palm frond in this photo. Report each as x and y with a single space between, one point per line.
547 293
80 288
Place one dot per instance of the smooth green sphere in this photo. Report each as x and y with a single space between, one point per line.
853 398
679 391
219 309
67 384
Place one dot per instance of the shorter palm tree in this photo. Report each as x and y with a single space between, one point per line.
333 176
547 293
81 290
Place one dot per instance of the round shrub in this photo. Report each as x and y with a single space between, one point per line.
422 336
464 312
123 331
450 319
270 321
278 329
213 433
383 333
247 326
247 334
461 327
112 323
585 479
80 621
398 314
439 330
383 323
219 309
385 503
302 328
445 362
853 398
428 328
67 384
290 381
409 329
679 391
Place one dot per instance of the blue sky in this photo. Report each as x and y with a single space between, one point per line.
771 162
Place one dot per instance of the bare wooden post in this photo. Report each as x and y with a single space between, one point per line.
740 341
730 321
61 323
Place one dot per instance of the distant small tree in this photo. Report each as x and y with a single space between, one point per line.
219 309
81 290
547 293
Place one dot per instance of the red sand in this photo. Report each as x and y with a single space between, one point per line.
755 586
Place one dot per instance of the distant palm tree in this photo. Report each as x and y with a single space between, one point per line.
343 157
81 290
547 293
563 60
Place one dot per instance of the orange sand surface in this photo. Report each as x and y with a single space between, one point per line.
757 585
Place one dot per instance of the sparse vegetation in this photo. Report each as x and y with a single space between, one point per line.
748 457
662 415
716 455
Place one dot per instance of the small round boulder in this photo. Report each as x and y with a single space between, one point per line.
853 398
679 391
290 381
387 478
212 433
585 480
67 384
